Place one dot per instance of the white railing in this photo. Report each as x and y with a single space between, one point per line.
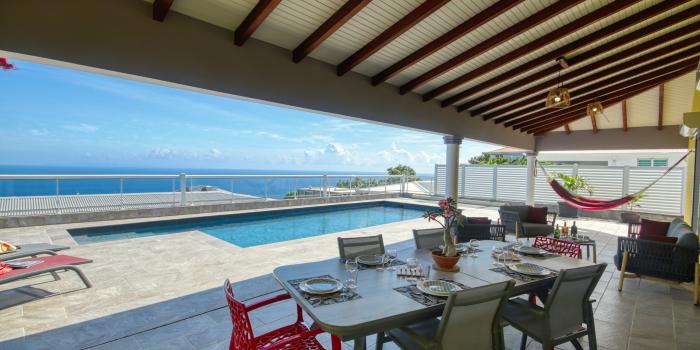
56 194
508 183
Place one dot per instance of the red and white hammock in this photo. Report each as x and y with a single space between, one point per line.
593 204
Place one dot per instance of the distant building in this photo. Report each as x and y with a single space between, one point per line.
651 158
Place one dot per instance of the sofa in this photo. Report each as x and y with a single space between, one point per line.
480 228
669 257
515 219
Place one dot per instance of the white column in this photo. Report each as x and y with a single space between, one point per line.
530 186
452 165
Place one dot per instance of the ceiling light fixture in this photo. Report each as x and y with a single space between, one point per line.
558 97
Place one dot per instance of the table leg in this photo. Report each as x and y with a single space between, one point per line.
588 252
336 344
359 343
595 255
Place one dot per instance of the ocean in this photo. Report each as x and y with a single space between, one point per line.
273 187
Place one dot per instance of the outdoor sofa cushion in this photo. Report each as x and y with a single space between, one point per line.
658 238
653 228
520 209
537 215
531 229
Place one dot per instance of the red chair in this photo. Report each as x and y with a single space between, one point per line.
558 246
296 336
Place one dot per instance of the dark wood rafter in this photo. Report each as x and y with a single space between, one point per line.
623 105
161 9
538 110
510 32
254 20
567 129
332 24
391 33
610 86
562 51
612 59
608 97
455 33
661 107
612 101
540 42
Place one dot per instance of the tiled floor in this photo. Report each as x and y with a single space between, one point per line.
164 292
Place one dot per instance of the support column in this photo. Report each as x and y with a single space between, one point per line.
452 166
530 185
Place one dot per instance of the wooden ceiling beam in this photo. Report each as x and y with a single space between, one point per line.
612 59
455 33
560 52
407 22
536 44
161 9
623 105
332 24
510 32
661 107
609 97
538 110
613 85
254 20
558 123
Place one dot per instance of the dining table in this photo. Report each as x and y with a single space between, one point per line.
380 307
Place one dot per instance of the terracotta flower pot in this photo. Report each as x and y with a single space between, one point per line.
444 262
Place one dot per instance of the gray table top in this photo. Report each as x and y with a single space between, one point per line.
383 308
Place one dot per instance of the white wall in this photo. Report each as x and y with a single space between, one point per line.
612 159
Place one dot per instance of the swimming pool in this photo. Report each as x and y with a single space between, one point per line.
251 229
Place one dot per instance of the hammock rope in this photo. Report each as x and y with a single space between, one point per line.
593 204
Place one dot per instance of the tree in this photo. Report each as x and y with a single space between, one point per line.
401 170
495 159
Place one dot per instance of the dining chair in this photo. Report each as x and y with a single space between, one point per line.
294 336
429 238
558 246
471 319
565 312
482 232
352 247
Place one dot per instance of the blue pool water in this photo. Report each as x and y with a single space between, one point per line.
251 229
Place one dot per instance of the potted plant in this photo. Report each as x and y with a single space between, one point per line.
574 184
446 258
629 216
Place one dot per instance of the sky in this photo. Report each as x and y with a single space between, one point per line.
53 116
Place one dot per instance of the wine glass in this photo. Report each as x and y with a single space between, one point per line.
351 271
498 254
391 254
473 243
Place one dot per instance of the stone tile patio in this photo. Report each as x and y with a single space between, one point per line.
164 292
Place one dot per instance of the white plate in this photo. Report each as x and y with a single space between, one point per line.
530 250
529 269
438 287
370 260
321 286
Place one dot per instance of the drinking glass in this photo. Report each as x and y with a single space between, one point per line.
391 254
412 262
351 271
380 267
473 243
425 272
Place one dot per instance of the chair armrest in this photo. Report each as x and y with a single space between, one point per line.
423 342
266 302
20 254
282 343
552 217
633 230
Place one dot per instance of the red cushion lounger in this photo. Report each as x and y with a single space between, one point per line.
50 264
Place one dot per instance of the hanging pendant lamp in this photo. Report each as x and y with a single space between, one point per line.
559 96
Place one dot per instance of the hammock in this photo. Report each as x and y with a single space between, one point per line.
593 204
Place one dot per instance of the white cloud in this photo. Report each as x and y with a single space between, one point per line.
162 153
38 132
215 152
331 154
81 127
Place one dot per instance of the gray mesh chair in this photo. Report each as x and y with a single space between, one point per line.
352 247
567 309
471 320
429 238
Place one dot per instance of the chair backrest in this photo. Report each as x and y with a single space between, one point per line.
473 231
430 238
471 319
568 305
352 247
242 337
558 246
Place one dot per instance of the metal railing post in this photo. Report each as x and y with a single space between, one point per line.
435 183
183 189
58 193
121 193
295 188
324 186
265 186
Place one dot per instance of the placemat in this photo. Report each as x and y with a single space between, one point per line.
522 277
343 295
393 263
412 292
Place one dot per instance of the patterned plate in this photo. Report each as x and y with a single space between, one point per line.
321 286
438 287
530 250
529 269
370 260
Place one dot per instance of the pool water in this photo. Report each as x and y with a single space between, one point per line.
251 229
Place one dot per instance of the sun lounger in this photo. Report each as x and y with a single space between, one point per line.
33 250
50 264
